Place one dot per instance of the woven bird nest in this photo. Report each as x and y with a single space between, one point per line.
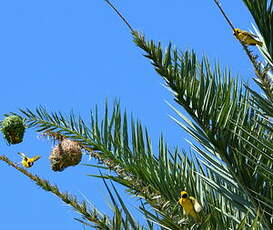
13 129
66 153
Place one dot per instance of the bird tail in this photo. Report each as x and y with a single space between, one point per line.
21 154
259 43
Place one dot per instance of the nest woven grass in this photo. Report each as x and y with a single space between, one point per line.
66 153
13 129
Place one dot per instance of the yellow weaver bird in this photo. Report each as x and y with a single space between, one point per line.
27 162
247 38
190 205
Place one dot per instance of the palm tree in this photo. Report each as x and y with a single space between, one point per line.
230 167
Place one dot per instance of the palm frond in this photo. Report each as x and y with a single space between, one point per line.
123 149
217 105
157 177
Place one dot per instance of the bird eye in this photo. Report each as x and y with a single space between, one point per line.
184 196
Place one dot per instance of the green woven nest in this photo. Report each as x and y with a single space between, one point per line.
66 153
13 129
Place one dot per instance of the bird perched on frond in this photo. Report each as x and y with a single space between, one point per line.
27 162
247 38
190 205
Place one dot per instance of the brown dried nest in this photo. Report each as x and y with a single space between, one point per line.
66 153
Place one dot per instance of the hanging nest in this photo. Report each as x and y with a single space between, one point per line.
13 129
66 153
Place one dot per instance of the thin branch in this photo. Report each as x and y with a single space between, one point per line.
224 14
120 15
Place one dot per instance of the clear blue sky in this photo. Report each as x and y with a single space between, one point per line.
71 55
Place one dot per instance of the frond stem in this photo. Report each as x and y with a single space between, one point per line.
120 15
81 207
224 14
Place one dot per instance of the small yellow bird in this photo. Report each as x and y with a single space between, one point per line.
190 205
247 38
28 162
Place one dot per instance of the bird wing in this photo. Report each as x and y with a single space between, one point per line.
180 201
33 159
197 207
250 34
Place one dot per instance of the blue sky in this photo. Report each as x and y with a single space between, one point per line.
71 55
